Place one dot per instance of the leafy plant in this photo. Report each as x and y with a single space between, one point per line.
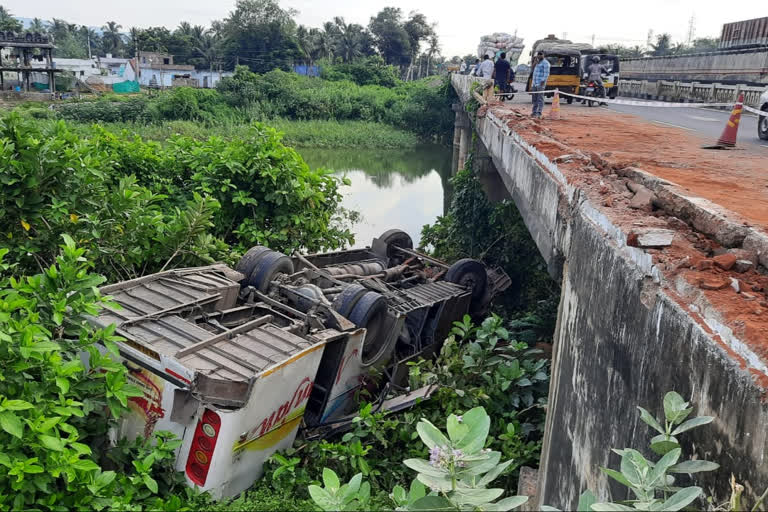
56 410
652 482
334 496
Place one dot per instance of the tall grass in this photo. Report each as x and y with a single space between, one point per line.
318 134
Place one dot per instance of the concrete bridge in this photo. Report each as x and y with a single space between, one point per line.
649 290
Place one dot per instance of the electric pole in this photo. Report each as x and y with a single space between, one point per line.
691 28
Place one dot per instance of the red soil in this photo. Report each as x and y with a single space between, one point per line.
736 181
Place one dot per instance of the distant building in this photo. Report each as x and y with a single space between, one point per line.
158 70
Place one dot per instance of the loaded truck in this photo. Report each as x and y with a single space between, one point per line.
564 58
236 361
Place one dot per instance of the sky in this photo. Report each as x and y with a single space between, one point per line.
459 24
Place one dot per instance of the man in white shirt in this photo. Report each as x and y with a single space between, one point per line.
485 69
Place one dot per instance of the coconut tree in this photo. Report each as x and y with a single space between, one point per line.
348 39
432 50
8 22
38 25
210 48
112 40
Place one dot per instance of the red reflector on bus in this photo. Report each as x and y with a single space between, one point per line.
203 445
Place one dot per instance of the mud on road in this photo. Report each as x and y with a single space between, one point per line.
648 179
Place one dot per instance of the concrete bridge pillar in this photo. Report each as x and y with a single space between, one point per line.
462 137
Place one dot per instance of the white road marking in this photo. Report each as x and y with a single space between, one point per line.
674 125
699 118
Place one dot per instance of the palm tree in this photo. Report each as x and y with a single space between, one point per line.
112 38
8 22
38 25
209 47
197 33
348 38
434 49
663 45
327 39
185 29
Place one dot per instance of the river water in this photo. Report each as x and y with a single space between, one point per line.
391 188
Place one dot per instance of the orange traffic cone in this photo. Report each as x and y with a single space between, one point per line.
555 112
728 139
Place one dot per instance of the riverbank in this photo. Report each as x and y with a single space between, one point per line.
314 134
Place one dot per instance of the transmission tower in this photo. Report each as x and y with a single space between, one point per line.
691 28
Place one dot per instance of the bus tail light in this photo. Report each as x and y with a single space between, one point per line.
203 444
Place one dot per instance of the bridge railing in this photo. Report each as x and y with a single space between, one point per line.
690 91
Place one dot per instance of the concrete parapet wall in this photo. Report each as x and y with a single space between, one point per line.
625 337
743 66
690 91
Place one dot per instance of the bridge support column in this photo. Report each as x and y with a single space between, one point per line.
462 137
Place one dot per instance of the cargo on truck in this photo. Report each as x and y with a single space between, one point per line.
236 361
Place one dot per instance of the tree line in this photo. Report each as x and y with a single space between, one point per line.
663 47
257 33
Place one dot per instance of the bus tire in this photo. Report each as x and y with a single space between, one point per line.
250 259
470 273
270 265
396 238
347 299
370 312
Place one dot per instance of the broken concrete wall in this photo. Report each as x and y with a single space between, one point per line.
622 340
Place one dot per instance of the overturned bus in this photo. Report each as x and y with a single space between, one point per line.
236 361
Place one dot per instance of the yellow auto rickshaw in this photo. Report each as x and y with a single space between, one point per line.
564 71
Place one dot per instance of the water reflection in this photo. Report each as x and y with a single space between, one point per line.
390 188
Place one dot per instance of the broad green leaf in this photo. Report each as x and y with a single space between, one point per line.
105 478
692 423
479 423
416 491
586 500
478 467
694 466
5 460
331 480
650 420
422 466
52 443
63 384
511 503
632 466
660 469
493 474
434 503
85 465
399 496
16 405
149 482
11 424
430 435
475 496
547 508
456 430
661 445
610 507
675 408
616 476
322 497
435 483
680 499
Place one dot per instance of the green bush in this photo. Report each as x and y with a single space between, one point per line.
55 410
365 71
138 207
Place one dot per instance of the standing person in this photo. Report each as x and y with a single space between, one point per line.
462 68
539 83
485 69
473 67
502 72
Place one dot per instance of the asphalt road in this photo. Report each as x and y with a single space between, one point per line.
705 122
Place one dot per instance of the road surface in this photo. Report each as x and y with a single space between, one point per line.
705 122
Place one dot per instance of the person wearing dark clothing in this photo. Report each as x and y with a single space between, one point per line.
595 72
502 73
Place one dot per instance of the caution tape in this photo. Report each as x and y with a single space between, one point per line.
756 111
655 104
